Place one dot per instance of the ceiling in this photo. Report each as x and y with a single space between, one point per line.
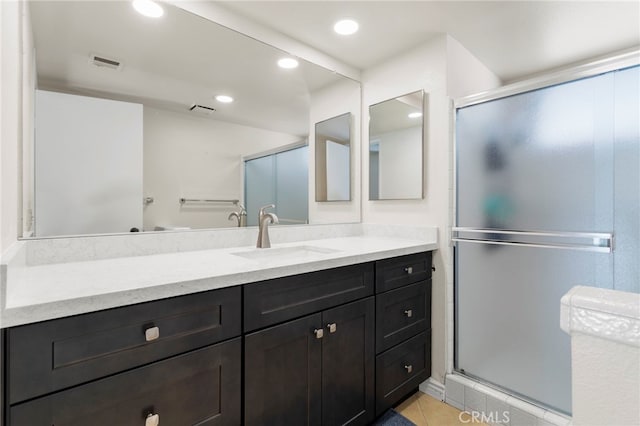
512 38
171 63
393 115
182 59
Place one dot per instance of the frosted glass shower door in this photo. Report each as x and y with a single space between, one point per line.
281 179
259 185
537 192
292 186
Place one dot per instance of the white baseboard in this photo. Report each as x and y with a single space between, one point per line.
433 388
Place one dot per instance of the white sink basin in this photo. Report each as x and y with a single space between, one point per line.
285 253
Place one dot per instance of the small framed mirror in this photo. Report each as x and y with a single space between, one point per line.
396 136
333 159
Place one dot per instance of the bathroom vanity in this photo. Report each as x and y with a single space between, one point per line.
332 345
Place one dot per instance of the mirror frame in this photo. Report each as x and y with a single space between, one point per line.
424 105
317 169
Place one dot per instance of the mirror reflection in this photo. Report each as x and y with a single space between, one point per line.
396 148
333 159
143 124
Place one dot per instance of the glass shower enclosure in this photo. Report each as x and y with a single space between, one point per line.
547 197
282 179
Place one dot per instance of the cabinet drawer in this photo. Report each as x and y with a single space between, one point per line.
401 369
53 355
199 388
402 313
281 299
400 271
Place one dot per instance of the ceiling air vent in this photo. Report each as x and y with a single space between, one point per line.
101 61
201 109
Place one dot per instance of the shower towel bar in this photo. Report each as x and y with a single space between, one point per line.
204 200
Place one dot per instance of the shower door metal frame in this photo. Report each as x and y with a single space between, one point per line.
620 60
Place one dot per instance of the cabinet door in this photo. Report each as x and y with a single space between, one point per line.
201 388
283 374
348 364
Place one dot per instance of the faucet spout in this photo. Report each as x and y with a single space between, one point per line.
235 215
263 227
240 216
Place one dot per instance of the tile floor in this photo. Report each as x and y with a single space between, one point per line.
424 410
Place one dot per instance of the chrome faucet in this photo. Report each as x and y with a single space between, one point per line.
264 219
241 216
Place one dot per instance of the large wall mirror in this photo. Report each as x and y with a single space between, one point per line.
131 124
396 135
333 159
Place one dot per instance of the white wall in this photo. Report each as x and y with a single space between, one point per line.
466 75
194 156
10 120
88 171
29 85
338 162
444 69
400 172
326 103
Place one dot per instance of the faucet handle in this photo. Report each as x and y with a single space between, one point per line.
263 208
243 210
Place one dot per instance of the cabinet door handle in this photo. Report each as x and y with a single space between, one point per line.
319 333
332 327
409 270
409 368
152 420
409 313
151 333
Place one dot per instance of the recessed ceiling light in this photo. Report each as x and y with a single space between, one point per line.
148 8
415 115
288 63
224 99
346 27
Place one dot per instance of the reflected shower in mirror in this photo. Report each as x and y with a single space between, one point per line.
396 133
129 121
333 159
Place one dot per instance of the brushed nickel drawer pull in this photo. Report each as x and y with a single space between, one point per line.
409 368
409 313
319 333
332 327
151 333
152 420
409 270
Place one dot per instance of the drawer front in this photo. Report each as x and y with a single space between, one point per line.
282 299
53 355
402 313
200 388
401 369
400 271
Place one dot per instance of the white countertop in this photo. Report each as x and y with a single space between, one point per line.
33 293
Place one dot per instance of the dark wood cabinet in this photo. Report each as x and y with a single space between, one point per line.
348 364
403 327
402 313
332 347
52 355
315 370
201 388
274 301
399 271
283 374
